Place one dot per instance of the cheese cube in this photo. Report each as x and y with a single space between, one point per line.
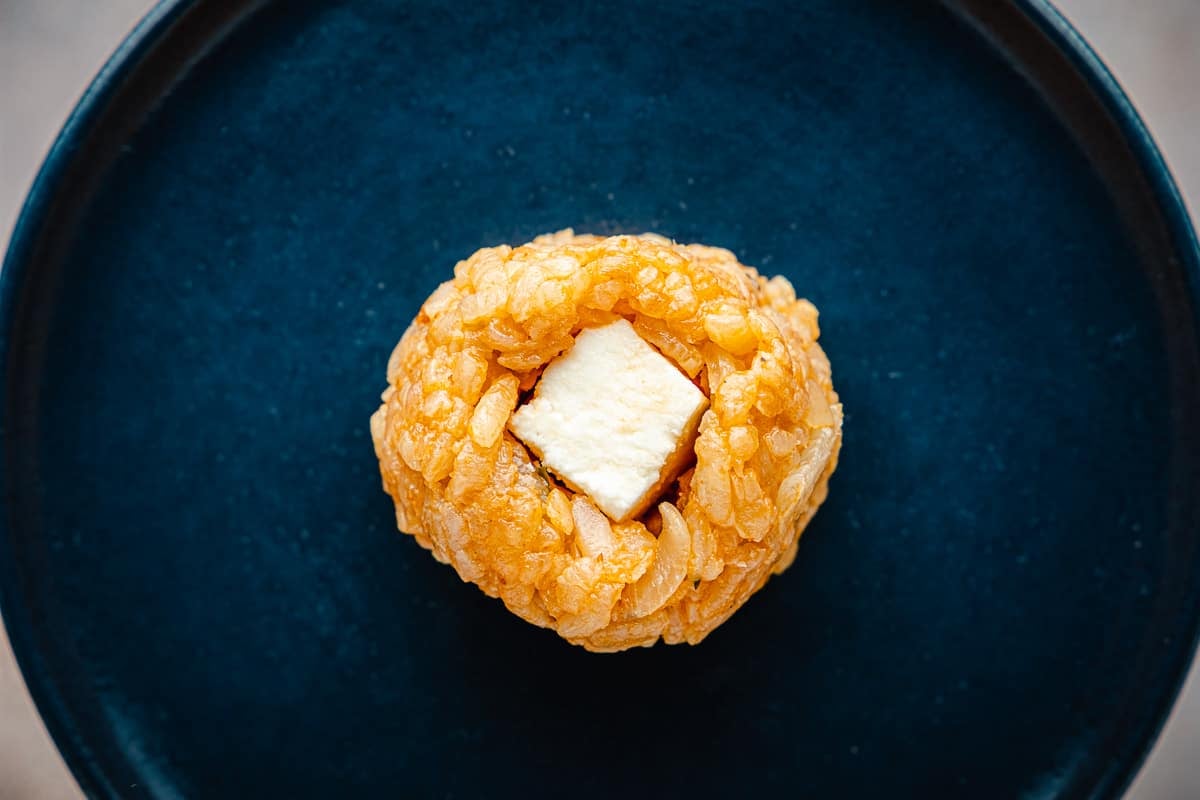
613 418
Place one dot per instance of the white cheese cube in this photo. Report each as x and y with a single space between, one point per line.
613 418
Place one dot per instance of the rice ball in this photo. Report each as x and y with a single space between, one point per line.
499 474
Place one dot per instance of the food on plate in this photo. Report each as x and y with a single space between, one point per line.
622 438
613 418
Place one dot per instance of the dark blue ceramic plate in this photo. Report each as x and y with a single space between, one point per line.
201 575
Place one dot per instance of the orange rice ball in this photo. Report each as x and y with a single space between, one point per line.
468 490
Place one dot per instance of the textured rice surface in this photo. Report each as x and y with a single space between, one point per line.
472 494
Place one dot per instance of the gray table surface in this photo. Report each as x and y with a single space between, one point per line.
49 50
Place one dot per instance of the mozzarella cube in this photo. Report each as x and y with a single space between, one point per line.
613 418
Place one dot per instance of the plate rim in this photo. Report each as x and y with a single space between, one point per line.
152 28
18 261
1053 24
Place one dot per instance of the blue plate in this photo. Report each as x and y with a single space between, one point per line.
200 573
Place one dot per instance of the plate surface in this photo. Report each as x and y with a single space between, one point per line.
198 568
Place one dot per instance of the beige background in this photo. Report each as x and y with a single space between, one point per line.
49 49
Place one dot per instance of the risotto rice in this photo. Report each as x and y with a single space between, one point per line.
473 494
